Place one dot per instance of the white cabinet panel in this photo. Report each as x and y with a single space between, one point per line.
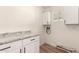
4 48
29 48
36 47
46 18
32 46
16 46
30 40
71 15
13 47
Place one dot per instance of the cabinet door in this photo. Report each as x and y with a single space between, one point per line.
4 48
71 14
14 47
32 48
46 18
31 45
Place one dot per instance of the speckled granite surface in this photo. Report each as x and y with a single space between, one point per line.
12 37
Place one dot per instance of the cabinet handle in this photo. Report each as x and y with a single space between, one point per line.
20 51
32 39
5 48
24 50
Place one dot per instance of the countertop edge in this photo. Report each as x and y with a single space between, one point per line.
17 39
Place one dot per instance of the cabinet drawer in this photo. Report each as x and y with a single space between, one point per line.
30 40
12 47
16 44
4 47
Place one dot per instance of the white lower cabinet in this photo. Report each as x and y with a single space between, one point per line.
28 45
31 45
14 47
32 48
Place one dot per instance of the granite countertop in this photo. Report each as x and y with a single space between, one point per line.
10 39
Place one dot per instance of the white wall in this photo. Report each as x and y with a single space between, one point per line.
66 35
16 18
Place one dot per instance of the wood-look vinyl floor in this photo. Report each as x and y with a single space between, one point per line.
46 48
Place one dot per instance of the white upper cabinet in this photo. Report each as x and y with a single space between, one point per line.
46 18
71 15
